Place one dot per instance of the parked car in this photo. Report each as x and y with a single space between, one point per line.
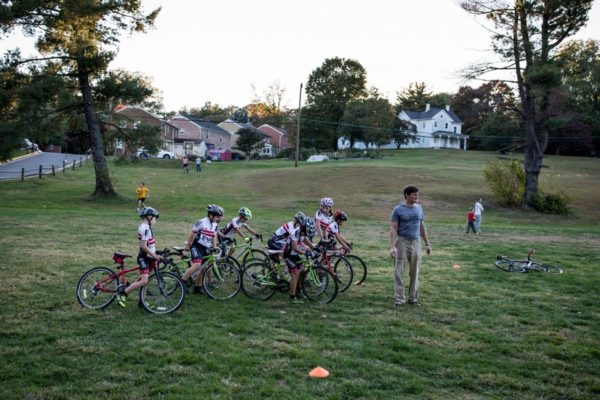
29 146
143 153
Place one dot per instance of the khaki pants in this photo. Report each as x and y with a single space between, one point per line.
408 254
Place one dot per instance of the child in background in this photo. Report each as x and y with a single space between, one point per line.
471 221
142 194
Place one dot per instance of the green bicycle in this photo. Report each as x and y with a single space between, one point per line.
221 278
261 279
243 253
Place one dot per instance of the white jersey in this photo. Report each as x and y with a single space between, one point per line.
478 208
287 233
229 230
323 220
205 231
332 231
145 233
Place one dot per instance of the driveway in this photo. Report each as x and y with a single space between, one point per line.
31 164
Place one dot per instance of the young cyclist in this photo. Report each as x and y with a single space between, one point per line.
324 216
142 193
235 226
200 240
147 256
333 230
286 240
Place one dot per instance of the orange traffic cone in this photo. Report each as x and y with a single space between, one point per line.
318 372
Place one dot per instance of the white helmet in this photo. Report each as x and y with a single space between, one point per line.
327 202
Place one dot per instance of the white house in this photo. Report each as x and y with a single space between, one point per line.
437 128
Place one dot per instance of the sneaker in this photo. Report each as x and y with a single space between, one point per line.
414 303
122 298
295 300
301 296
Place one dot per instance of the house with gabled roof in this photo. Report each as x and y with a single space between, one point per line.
234 127
197 136
438 128
277 138
131 117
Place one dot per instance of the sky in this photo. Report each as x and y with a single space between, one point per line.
229 51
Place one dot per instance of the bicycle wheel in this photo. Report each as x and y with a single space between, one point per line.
163 294
546 268
222 281
233 261
359 267
343 272
97 288
318 285
511 265
254 255
258 280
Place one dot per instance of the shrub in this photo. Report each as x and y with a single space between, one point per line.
551 203
507 182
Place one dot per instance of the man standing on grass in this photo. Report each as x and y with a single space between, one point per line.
478 214
406 229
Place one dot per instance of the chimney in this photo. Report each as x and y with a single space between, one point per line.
447 107
426 107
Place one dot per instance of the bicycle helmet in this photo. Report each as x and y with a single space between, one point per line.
327 202
215 210
144 212
300 217
309 227
339 215
245 212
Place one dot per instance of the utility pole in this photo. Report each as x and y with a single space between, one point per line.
298 127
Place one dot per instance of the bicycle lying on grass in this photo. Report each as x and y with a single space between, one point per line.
221 278
261 279
509 265
98 287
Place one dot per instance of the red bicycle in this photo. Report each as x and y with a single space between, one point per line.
99 286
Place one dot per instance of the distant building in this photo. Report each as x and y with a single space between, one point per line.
132 117
197 136
437 128
277 140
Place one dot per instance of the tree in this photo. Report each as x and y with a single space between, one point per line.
209 112
77 37
404 132
370 120
248 141
329 89
527 34
413 98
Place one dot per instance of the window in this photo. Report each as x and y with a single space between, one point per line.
136 124
423 124
446 125
454 129
122 124
435 124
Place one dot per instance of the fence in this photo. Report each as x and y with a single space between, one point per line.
52 169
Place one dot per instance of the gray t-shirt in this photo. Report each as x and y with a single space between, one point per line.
409 220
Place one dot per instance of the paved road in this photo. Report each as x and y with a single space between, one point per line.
12 169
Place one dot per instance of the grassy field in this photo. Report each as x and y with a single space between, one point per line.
479 334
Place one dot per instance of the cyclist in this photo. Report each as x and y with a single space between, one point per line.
324 216
333 234
285 239
147 256
200 240
235 226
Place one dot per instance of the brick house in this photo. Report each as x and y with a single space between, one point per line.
278 138
131 117
197 136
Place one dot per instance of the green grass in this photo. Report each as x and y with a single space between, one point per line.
480 333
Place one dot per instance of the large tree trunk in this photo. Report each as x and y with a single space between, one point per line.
104 187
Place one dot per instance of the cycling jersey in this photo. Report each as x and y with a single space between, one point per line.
323 220
332 231
144 259
205 232
284 235
229 228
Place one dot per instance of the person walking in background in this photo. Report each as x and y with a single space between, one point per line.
142 194
407 227
185 163
471 221
198 165
478 215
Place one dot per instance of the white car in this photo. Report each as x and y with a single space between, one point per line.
142 153
29 145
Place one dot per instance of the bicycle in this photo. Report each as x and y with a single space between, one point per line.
261 279
359 267
246 253
98 287
509 265
340 267
221 278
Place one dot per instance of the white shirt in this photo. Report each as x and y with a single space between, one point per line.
478 208
145 233
229 228
286 233
205 231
